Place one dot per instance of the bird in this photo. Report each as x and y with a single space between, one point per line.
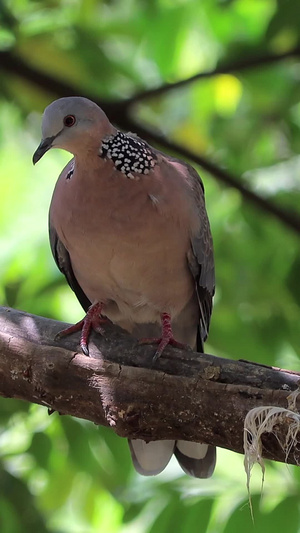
129 230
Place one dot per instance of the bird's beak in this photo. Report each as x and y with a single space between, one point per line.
43 147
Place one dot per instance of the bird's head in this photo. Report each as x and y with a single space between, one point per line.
73 124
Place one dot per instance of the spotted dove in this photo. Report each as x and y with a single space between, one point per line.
129 230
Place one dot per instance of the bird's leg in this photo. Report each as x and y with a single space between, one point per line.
92 320
166 338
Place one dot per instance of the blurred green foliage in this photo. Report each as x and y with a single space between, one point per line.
63 475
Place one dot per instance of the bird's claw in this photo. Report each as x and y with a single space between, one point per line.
162 343
84 348
92 320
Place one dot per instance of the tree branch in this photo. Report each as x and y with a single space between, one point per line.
186 395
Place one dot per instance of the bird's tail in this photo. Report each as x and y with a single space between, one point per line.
196 459
150 458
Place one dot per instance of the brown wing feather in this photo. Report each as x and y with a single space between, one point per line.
63 261
201 256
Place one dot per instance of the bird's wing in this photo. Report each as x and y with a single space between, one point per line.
201 259
63 261
200 256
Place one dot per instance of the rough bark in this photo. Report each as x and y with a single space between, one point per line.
184 395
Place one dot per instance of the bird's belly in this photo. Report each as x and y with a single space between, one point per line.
135 278
132 253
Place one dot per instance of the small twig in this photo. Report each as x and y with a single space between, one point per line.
238 65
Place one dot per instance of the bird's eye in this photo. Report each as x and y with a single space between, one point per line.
69 121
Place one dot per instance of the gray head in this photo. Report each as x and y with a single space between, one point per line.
74 123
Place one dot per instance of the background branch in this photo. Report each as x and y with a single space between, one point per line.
119 112
185 396
234 66
14 64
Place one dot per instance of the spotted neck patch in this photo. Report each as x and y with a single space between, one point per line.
129 154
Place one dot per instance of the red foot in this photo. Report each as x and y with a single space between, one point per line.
165 339
92 320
